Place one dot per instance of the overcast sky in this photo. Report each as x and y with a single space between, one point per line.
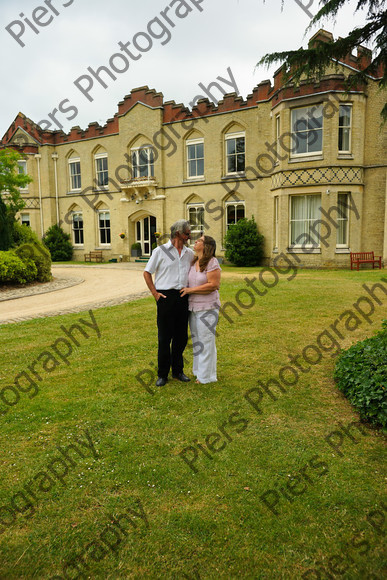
86 33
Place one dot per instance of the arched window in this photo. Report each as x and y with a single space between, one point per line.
235 211
22 163
77 227
235 152
195 216
25 219
234 149
74 162
143 160
195 158
101 170
196 219
104 227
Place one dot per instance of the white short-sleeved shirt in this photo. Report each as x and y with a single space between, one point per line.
170 269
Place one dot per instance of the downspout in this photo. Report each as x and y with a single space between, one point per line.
38 158
55 158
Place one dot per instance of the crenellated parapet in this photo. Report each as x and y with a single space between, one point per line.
281 89
143 95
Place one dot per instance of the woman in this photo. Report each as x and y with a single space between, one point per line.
204 304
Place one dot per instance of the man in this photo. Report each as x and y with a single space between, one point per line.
170 264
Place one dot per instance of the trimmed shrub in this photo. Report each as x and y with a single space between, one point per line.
23 234
28 247
36 252
244 244
58 243
14 270
361 374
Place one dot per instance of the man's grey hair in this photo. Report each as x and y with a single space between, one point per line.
179 227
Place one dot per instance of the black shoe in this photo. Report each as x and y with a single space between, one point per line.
181 377
161 382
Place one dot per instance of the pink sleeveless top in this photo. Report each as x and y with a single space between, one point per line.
203 301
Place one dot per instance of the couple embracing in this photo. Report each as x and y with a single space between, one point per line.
185 287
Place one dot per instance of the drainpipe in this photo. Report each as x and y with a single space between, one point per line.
55 156
38 158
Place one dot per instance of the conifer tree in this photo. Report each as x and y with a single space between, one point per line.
312 62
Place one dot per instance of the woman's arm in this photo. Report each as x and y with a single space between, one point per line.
212 284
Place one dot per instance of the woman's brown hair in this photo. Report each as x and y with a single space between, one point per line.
209 249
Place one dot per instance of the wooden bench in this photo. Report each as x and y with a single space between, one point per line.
94 256
365 258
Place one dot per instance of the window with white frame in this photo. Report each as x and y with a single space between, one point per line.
195 158
276 218
25 219
77 228
22 166
235 211
277 132
143 162
235 152
345 120
342 240
101 170
196 219
75 173
305 211
307 131
104 227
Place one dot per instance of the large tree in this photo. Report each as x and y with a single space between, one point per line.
313 61
5 236
11 180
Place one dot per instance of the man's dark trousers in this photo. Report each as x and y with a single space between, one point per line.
172 323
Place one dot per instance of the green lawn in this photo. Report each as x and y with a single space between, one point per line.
292 454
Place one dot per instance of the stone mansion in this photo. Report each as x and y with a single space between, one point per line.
308 162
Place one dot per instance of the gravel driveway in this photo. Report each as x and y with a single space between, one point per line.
74 289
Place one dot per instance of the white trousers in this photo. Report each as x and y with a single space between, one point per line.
203 324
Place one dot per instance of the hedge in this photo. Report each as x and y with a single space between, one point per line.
361 374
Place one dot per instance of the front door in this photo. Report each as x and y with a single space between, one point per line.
145 234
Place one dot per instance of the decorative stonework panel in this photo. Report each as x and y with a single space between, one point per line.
32 203
323 175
